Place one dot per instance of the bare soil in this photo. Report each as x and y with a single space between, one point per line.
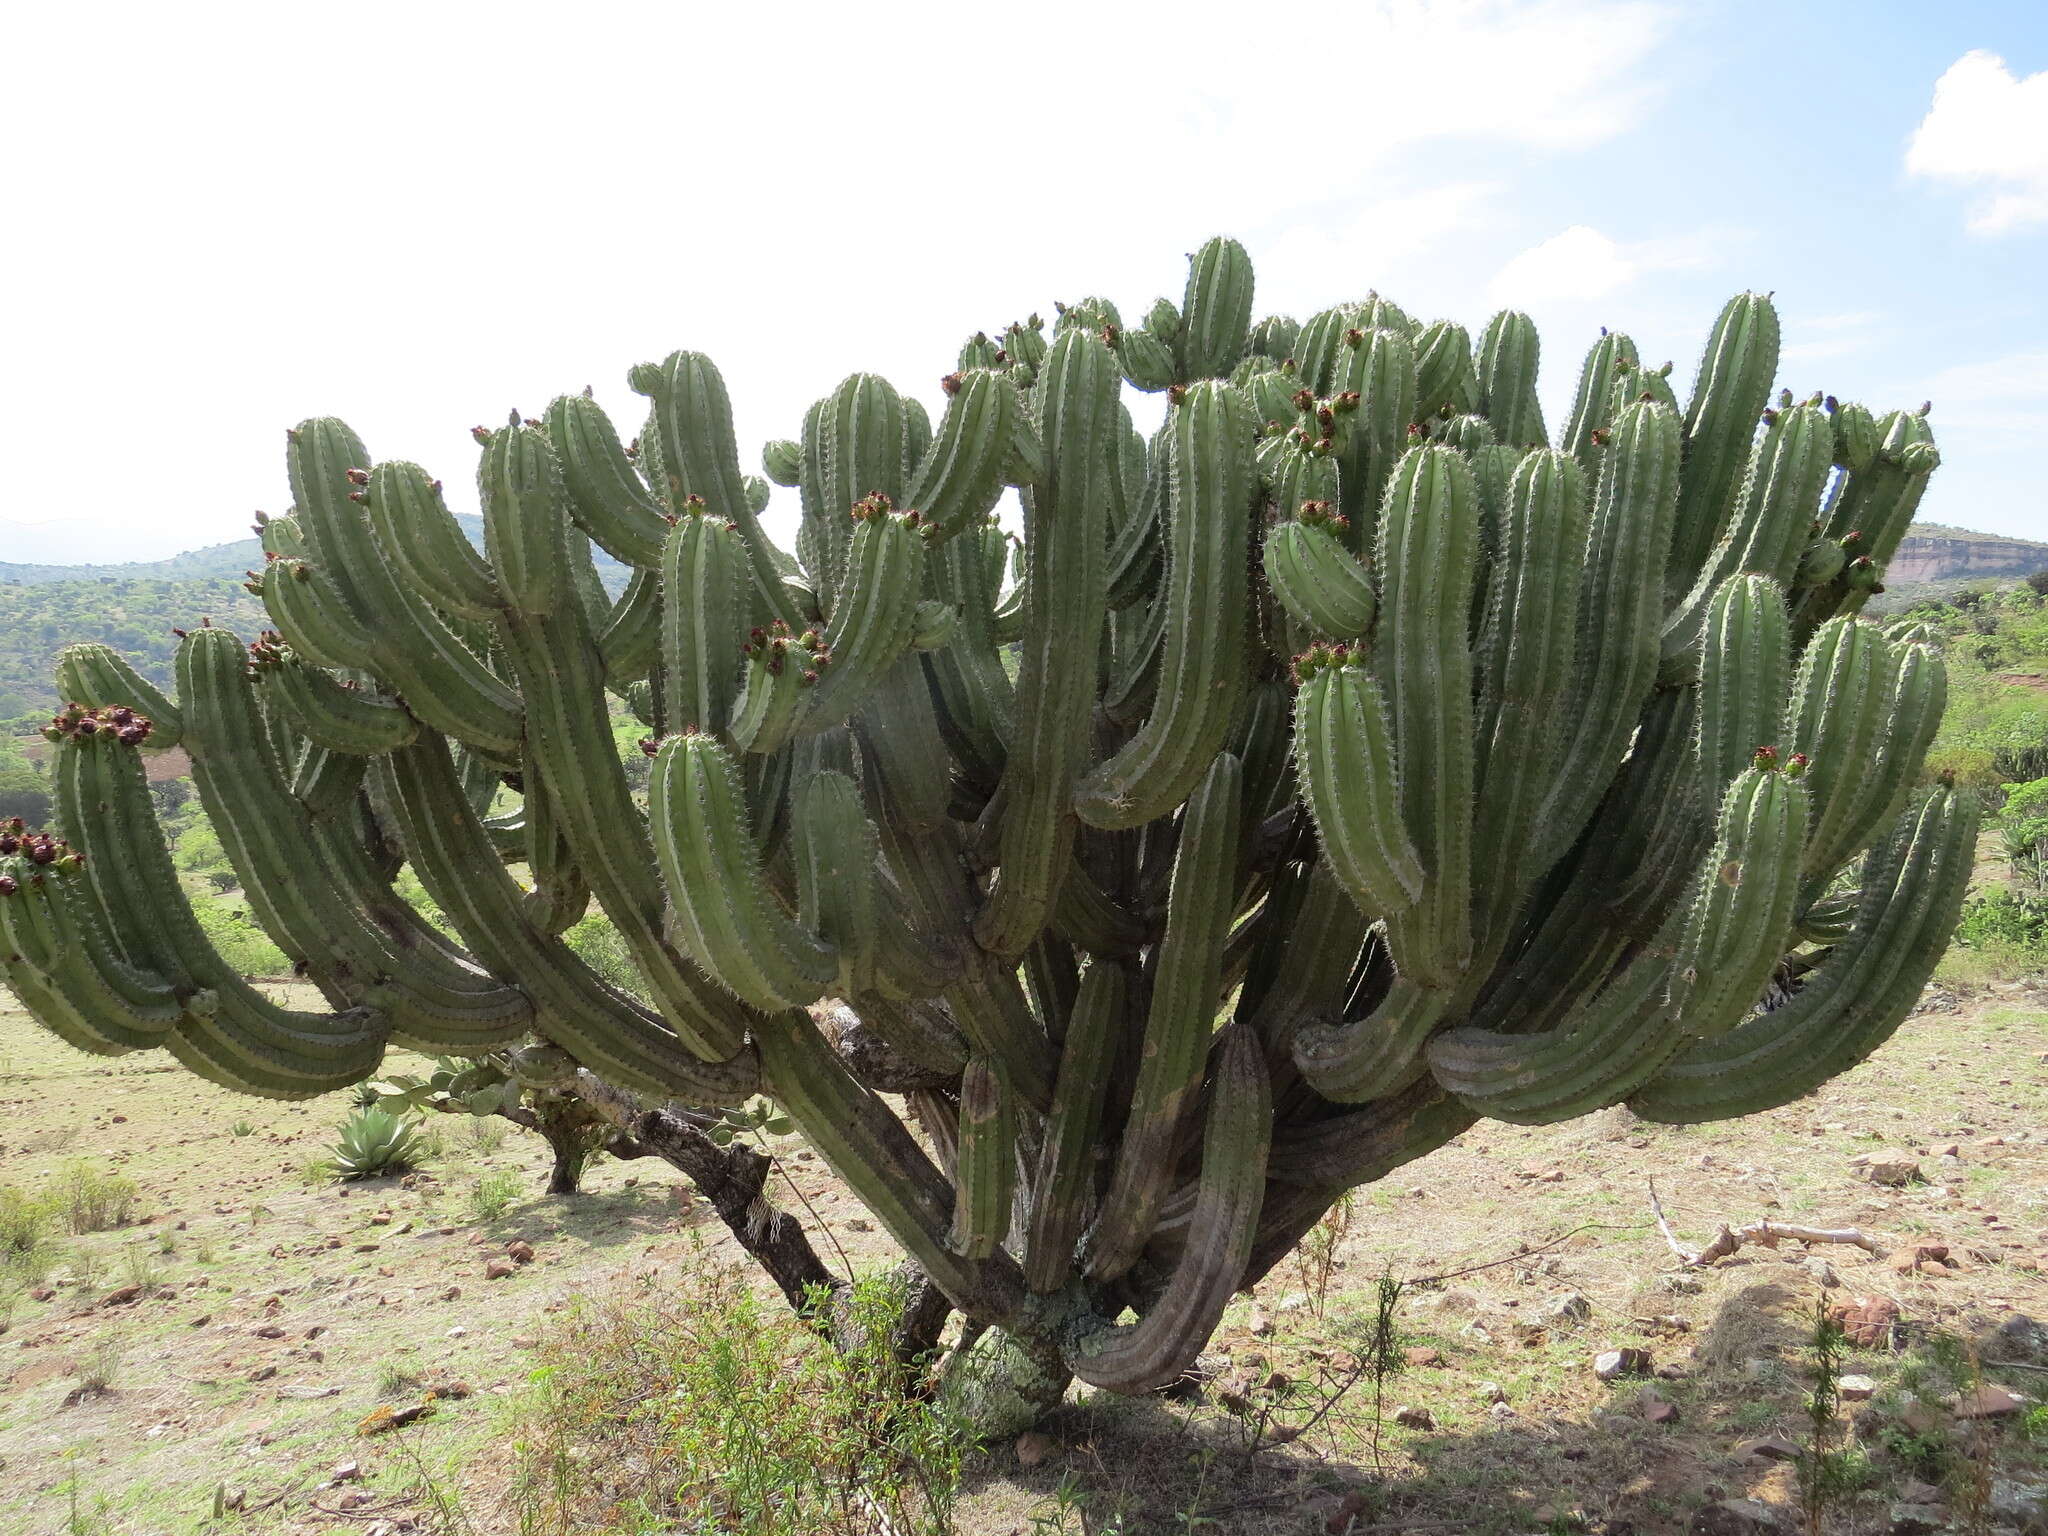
276 1315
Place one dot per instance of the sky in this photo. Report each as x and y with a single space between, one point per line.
220 219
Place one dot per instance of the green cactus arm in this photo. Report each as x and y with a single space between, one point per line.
520 486
98 677
604 1029
838 892
304 605
1179 1022
1349 779
1428 548
1594 405
422 539
985 1165
1744 900
1728 396
852 450
1318 580
1745 672
1374 1057
560 895
722 907
868 1147
229 1033
1506 364
327 713
1373 375
1446 382
1862 992
605 493
1216 311
629 634
957 482
1620 610
1203 669
1832 701
1058 661
1313 951
1163 1343
1604 1051
569 743
1768 525
699 456
875 618
1525 660
1063 1188
974 694
356 940
703 579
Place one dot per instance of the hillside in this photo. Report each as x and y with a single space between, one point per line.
133 607
1936 552
133 615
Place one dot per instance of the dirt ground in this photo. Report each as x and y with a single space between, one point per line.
276 1313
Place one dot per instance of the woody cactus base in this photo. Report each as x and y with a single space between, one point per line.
1346 761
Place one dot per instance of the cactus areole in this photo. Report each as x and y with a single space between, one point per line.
1270 799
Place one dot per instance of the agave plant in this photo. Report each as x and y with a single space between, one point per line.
373 1143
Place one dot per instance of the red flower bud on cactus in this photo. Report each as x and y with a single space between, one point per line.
7 885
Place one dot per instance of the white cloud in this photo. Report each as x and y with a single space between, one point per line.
1581 263
1988 129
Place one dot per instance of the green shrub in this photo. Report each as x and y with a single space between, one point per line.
89 1200
717 1411
28 1242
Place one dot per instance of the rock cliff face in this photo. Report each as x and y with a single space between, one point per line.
1945 555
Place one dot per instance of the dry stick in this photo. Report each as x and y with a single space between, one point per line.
1768 1233
1525 1253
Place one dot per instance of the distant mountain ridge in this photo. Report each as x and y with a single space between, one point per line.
226 561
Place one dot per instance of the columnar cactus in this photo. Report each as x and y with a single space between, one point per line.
1282 793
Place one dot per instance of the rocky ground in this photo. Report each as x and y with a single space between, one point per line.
215 1365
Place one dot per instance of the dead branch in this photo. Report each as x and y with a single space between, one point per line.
1766 1234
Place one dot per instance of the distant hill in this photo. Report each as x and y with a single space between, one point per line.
1935 552
134 607
223 561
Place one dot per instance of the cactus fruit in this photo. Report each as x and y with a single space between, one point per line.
1488 776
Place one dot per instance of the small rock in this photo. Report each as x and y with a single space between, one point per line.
1769 1448
1823 1273
356 1498
1571 1307
122 1296
1736 1517
1855 1389
1414 1418
453 1293
498 1269
1490 1392
1613 1364
860 1224
520 1252
1913 1491
1259 1322
345 1472
1894 1172
1679 1285
380 1218
262 1373
1867 1320
1656 1408
1422 1357
1904 1519
270 1331
1988 1402
1033 1447
42 1293
1500 1411
524 1341
307 1394
458 1332
1672 1371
